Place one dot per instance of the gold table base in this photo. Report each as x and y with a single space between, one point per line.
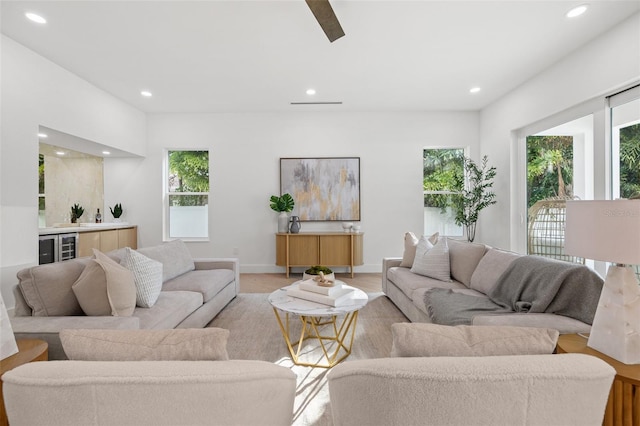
343 333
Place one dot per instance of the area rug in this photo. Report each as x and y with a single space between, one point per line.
255 334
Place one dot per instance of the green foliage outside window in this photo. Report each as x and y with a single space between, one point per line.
443 171
189 172
630 161
41 203
549 167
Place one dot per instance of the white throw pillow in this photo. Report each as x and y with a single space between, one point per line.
147 276
432 260
410 243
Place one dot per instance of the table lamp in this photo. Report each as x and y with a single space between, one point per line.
8 344
610 231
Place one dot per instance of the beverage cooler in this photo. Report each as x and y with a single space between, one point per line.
57 247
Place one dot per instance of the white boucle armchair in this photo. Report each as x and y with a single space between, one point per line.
569 389
119 393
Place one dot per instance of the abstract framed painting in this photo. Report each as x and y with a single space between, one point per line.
324 189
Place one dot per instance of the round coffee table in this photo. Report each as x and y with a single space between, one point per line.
333 327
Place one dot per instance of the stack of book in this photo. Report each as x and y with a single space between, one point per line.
336 295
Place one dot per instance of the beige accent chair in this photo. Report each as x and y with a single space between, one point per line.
149 377
149 393
568 389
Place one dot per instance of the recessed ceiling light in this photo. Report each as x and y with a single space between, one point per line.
311 92
106 152
35 18
43 135
60 152
577 11
474 90
146 94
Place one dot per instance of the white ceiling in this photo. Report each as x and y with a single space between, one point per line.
232 56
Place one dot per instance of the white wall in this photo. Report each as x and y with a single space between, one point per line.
599 68
245 151
35 91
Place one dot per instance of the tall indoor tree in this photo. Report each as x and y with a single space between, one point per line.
475 195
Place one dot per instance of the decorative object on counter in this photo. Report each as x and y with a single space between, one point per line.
314 272
356 229
347 226
475 195
116 211
98 217
323 281
282 204
295 224
76 212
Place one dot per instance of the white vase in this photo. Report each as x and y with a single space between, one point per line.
283 222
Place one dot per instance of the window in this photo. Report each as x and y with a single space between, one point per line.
625 146
187 194
41 200
443 177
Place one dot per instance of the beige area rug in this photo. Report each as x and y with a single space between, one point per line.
255 334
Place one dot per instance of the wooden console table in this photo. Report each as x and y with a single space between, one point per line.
319 248
623 407
29 350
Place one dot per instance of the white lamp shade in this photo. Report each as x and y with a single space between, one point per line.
604 230
8 344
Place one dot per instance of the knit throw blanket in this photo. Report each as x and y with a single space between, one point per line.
530 284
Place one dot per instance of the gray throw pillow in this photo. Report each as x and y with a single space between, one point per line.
426 340
186 344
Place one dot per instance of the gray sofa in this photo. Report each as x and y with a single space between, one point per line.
193 292
474 269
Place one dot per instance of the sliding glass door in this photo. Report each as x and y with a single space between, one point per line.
559 167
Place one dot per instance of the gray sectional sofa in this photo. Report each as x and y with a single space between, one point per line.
474 271
193 292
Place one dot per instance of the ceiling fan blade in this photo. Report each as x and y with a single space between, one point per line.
327 19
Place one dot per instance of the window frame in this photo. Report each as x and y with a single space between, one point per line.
167 193
465 153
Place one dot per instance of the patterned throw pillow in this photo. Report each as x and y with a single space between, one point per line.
410 244
147 276
432 260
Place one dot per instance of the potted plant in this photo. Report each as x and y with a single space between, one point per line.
282 204
76 212
116 211
475 195
316 271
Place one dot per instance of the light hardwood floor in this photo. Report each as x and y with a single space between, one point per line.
266 283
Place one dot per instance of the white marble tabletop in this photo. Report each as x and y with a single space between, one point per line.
280 300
